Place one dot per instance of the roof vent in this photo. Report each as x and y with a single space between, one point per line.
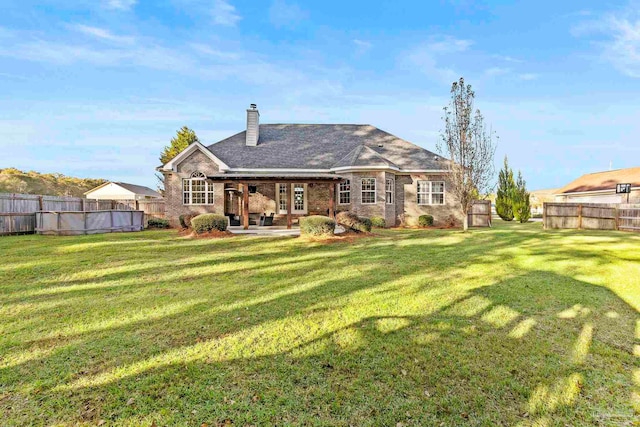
380 144
436 158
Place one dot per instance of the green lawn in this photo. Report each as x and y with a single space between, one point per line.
508 326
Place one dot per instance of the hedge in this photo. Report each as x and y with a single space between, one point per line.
207 222
157 223
317 225
351 221
425 220
378 222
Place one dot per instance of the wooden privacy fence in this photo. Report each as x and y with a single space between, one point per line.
480 215
17 211
592 216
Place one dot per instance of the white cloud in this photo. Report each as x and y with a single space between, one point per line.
617 35
102 33
497 71
427 57
362 45
220 54
527 76
283 14
120 4
507 58
224 13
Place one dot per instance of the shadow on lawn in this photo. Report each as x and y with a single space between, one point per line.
535 347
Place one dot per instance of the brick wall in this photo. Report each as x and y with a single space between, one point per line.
174 207
407 188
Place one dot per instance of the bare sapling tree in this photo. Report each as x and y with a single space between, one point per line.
470 148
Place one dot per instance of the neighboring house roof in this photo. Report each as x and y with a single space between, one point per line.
136 189
324 147
600 181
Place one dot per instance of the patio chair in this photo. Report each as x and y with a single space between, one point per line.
233 220
266 221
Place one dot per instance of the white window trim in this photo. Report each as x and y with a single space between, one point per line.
340 192
375 191
209 195
291 187
430 193
392 191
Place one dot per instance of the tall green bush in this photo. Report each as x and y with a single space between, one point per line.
506 191
521 202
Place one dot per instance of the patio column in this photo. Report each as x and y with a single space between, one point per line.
245 205
332 199
289 204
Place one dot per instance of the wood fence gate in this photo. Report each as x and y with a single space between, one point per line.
480 214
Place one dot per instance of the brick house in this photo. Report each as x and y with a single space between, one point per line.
294 170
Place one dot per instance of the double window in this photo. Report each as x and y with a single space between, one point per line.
431 192
344 192
299 193
368 187
196 190
389 193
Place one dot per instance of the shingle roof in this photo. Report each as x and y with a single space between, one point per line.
139 189
323 146
603 181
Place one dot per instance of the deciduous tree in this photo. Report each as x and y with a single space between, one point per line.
469 146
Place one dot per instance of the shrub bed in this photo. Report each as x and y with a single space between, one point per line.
204 223
425 220
157 223
317 225
378 222
351 221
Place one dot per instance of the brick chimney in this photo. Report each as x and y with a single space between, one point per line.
253 125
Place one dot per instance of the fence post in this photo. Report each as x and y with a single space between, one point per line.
580 216
83 208
85 219
113 204
40 203
544 215
111 223
617 216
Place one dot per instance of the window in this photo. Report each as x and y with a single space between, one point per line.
389 191
430 192
197 190
298 191
298 198
368 191
253 189
282 198
344 192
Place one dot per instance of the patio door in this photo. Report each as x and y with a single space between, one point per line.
299 199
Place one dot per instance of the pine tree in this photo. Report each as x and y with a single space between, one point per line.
184 137
521 204
506 191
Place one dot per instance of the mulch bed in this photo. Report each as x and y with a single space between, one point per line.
213 234
346 237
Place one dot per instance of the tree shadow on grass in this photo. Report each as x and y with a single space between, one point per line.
536 348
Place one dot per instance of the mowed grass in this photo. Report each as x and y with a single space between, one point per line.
508 326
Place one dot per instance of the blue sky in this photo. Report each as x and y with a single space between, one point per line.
96 88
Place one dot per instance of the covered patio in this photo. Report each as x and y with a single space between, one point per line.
286 182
